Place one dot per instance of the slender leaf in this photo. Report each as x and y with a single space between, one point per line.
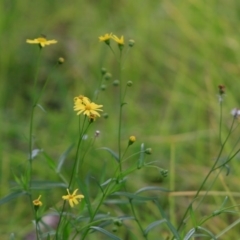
115 155
63 157
11 197
133 196
50 161
47 185
153 225
190 234
42 108
192 215
170 226
152 188
141 157
206 231
112 236
85 191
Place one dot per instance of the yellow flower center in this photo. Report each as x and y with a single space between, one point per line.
42 40
88 107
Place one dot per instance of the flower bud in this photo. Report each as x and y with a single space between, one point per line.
115 83
103 87
107 76
105 115
131 140
61 60
164 172
131 43
148 151
129 83
103 71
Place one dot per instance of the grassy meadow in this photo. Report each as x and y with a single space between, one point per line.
183 51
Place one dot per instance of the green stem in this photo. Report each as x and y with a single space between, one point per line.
136 219
74 170
120 115
207 176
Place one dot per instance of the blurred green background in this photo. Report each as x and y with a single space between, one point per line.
183 51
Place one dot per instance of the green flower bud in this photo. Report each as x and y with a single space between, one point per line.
115 83
164 172
103 87
107 76
131 43
105 115
61 60
103 71
129 83
148 151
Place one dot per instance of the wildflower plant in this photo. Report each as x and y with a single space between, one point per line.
90 213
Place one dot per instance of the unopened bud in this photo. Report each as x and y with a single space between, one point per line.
131 43
107 76
148 151
61 60
103 71
115 83
129 83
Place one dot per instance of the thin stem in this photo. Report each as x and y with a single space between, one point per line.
207 176
120 115
136 218
220 124
74 170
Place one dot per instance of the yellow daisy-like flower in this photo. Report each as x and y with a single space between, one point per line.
120 41
85 106
106 38
73 198
42 41
37 202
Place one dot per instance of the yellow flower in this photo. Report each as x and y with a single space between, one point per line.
106 38
37 202
73 198
42 41
85 106
120 41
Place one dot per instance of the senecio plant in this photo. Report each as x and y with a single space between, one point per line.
81 215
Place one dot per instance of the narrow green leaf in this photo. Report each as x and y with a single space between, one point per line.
206 231
133 196
170 226
112 236
41 107
115 155
192 215
190 234
50 161
63 157
141 157
43 185
152 188
85 191
153 225
11 197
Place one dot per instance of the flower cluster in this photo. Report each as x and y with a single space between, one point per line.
72 198
83 105
106 38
